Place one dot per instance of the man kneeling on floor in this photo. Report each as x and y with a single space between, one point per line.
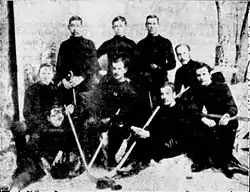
41 154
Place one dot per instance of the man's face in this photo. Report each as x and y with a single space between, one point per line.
118 70
119 28
152 26
203 76
167 95
56 117
46 75
183 54
75 28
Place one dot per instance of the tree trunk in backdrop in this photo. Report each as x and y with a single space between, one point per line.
231 49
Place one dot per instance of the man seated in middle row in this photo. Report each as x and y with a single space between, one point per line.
116 100
165 133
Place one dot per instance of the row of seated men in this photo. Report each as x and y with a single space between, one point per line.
119 105
119 111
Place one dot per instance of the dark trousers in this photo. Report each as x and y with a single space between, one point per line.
212 145
116 135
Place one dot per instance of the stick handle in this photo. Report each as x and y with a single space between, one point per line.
151 117
113 172
74 96
150 100
79 145
96 153
180 94
231 118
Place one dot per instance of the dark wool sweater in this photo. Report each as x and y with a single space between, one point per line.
186 75
217 99
155 50
115 95
78 55
38 100
118 47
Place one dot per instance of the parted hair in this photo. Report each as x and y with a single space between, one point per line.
126 61
201 65
168 84
119 18
75 17
152 16
182 44
45 65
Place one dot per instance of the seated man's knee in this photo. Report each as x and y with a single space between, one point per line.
18 128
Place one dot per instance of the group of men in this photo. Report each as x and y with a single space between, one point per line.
119 105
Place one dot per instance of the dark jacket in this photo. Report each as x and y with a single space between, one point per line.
38 100
118 47
115 95
155 50
78 55
217 99
167 124
186 75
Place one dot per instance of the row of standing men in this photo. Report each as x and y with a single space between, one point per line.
121 102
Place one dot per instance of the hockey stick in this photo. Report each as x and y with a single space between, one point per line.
122 149
100 145
101 182
231 118
118 167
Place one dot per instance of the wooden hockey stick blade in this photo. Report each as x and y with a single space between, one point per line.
113 172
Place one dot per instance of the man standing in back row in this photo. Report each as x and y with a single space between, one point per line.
156 57
76 63
119 45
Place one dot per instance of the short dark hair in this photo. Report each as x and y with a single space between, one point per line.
125 60
75 17
152 17
45 65
182 44
168 84
54 107
119 18
201 65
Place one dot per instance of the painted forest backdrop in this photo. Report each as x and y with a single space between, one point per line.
216 32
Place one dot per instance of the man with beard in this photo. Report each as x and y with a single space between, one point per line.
156 57
119 45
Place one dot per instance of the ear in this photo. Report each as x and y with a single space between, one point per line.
126 70
174 94
48 118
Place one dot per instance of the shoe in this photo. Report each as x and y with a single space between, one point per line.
5 188
195 167
227 172
17 171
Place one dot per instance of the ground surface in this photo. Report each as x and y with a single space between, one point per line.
171 174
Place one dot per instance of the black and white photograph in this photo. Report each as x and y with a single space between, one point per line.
124 95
